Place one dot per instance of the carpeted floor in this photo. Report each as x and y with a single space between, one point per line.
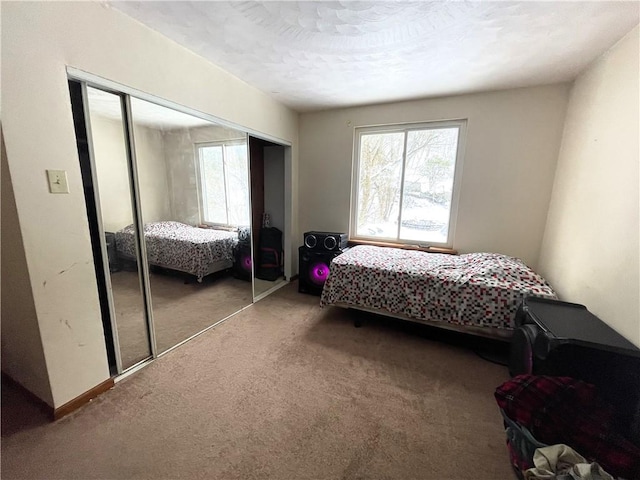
180 309
283 390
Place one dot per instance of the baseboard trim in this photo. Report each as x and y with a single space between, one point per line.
294 278
44 406
67 408
80 400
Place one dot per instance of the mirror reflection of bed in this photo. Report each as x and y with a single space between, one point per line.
192 281
194 200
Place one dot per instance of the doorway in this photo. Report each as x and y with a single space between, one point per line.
268 165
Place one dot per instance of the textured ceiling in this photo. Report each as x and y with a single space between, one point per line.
317 55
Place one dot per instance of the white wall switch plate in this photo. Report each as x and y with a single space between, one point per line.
58 181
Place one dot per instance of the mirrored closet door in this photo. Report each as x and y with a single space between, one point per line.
115 208
194 196
172 219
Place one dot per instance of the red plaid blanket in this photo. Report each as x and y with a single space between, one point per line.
569 411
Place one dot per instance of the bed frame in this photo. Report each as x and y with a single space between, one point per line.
486 332
217 266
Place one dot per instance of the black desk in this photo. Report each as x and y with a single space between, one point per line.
565 339
569 323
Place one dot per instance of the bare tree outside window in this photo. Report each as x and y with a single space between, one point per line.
225 192
237 184
213 191
380 170
405 180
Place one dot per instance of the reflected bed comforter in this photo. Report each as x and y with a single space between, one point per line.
175 245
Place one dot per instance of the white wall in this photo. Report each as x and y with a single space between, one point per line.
152 174
39 39
22 353
512 144
112 172
590 251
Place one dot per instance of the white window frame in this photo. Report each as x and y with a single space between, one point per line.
461 125
201 183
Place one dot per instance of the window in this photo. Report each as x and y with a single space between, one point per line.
406 183
224 183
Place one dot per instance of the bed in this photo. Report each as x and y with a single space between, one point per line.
181 247
476 293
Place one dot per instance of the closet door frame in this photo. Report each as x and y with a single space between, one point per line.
141 247
143 267
101 230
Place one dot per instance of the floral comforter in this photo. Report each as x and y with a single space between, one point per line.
179 246
475 289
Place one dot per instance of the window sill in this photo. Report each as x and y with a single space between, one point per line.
404 246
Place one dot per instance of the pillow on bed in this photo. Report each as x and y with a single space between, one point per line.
244 234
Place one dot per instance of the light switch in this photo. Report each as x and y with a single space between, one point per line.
58 181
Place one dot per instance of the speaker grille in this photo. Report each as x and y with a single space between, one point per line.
242 264
310 241
325 241
314 269
318 273
245 262
330 243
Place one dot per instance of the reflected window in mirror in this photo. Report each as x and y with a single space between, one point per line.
223 183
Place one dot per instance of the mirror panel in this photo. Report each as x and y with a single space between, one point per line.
194 198
113 185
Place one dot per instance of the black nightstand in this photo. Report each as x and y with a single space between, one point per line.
570 323
565 339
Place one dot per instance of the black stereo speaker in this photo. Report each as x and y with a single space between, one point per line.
314 269
325 241
269 265
243 265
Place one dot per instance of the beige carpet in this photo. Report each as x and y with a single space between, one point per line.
262 286
283 390
179 310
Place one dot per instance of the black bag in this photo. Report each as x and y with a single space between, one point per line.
269 254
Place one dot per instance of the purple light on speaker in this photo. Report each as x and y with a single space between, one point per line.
318 273
246 262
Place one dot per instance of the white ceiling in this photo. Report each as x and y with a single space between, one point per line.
315 55
144 113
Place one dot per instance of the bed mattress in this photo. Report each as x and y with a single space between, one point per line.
475 289
180 247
